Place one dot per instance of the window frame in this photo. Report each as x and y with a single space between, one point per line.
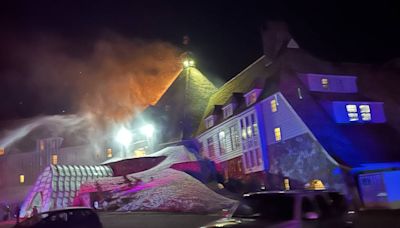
210 144
227 111
209 121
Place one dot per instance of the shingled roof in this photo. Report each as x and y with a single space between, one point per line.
182 105
251 77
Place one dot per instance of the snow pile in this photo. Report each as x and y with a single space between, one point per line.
157 189
174 154
169 190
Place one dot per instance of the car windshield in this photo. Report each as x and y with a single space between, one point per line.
276 207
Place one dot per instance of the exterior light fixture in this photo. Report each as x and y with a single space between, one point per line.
188 63
21 179
147 130
124 137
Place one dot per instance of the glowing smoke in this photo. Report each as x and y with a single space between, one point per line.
105 83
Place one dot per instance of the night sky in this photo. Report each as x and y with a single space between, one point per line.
225 36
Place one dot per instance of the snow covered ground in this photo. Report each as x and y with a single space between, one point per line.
158 189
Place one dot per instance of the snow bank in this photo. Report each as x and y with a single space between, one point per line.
157 189
170 190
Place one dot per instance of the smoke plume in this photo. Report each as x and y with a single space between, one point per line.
104 81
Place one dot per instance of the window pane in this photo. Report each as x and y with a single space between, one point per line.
353 116
325 82
364 108
252 158
366 116
277 132
273 106
222 142
234 137
210 147
246 158
255 129
351 108
258 157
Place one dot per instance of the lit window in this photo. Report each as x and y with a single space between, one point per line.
109 153
2 151
255 128
222 142
21 179
244 134
209 122
228 111
41 145
352 112
249 132
278 135
325 83
251 98
274 108
54 159
365 112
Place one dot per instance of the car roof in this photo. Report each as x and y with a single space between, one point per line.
290 193
67 209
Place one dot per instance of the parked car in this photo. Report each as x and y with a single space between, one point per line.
79 217
288 209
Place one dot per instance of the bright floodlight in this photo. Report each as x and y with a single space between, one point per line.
124 137
147 130
188 63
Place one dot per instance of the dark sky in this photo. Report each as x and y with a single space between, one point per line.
224 35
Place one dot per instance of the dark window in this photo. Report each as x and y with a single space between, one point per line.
234 137
210 146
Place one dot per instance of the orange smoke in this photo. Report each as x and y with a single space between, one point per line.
130 76
112 79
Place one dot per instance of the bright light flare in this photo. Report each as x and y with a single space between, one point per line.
188 63
147 130
124 137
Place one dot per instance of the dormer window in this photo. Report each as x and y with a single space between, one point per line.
209 121
251 97
357 112
329 83
228 111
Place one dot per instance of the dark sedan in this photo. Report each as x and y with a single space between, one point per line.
80 217
288 209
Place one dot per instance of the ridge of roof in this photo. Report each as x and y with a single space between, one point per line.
238 84
247 68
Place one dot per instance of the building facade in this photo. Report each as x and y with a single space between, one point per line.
299 117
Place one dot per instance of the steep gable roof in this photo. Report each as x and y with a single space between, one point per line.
253 75
184 102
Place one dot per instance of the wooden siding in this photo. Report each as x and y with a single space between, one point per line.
230 153
285 118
